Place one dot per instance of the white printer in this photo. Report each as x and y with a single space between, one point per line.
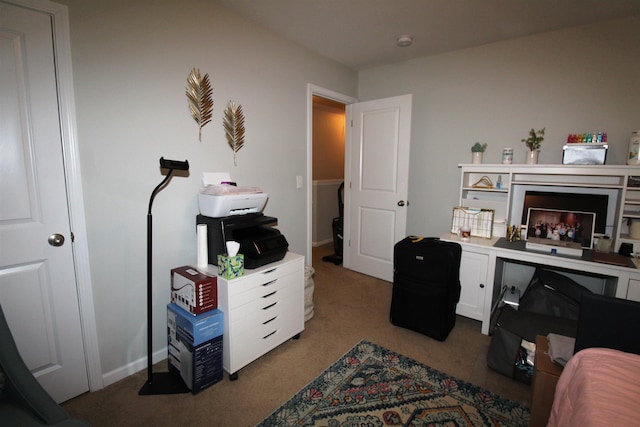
235 213
219 198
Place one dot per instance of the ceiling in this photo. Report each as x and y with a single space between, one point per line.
362 33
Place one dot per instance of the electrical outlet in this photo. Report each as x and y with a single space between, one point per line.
299 181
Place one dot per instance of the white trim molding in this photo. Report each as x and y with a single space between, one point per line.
329 94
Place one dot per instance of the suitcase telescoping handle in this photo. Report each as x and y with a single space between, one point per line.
416 239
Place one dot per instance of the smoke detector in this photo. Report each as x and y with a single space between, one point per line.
404 40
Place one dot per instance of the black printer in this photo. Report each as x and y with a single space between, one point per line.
260 243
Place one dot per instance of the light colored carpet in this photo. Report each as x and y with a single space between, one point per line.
349 307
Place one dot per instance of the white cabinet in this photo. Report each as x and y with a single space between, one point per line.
262 309
494 179
473 279
619 182
633 292
487 188
630 213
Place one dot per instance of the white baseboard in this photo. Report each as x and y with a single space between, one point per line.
133 367
321 243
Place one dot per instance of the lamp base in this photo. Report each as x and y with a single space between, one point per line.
163 383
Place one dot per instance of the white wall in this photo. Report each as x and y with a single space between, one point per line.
578 80
131 60
328 141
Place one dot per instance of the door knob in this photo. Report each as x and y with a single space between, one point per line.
56 240
401 203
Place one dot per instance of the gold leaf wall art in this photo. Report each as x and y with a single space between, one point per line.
233 123
200 99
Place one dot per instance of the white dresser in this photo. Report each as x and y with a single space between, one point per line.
262 309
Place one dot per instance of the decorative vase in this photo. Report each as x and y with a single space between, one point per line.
532 157
476 158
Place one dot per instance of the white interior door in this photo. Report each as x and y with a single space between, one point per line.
38 289
376 195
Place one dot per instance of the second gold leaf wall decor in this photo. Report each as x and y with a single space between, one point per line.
200 99
233 123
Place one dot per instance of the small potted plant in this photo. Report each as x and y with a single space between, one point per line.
533 143
476 151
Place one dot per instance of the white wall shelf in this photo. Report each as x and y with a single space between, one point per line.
613 177
482 261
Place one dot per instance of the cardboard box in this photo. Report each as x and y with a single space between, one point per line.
198 366
194 291
545 377
195 347
230 267
194 329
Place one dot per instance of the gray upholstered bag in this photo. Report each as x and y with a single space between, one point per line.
550 304
552 294
512 327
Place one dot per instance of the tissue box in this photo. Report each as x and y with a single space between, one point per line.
230 267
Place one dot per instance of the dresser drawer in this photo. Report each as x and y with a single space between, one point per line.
264 290
261 325
263 303
255 336
251 281
247 320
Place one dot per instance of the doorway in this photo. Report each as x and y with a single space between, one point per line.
378 138
327 105
329 140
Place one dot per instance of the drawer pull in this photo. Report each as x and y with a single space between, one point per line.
270 271
270 320
268 335
270 295
269 283
269 306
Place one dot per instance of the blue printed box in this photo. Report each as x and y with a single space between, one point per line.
230 267
194 329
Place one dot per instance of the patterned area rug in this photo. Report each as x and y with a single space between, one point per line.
375 387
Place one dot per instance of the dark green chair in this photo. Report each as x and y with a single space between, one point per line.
23 401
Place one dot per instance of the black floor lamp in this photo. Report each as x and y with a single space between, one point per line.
159 382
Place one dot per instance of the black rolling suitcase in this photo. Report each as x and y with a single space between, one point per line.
426 285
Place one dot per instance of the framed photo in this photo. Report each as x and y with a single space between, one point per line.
561 227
